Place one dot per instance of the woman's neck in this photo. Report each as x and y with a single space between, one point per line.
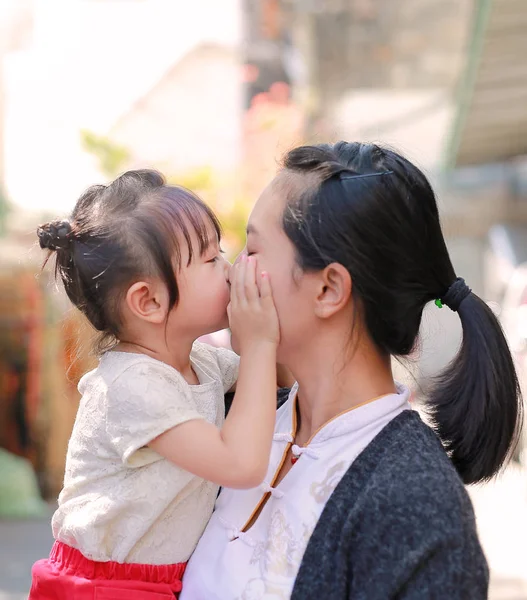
333 379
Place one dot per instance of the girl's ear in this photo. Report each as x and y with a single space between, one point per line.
148 301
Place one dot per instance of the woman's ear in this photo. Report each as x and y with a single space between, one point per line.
334 290
148 301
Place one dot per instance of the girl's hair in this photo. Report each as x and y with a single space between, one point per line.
375 213
122 232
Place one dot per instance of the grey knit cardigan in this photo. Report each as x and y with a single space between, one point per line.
399 525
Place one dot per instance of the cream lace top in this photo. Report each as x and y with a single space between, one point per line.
122 501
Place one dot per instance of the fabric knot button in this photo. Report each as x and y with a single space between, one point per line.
299 450
267 489
283 437
234 533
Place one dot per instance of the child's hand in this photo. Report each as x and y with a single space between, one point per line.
238 455
252 313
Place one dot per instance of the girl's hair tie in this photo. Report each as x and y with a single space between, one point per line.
55 235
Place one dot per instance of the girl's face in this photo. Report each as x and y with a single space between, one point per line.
204 290
293 290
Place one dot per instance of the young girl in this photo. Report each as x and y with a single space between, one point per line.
150 447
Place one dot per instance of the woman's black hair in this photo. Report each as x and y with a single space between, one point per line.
118 233
375 213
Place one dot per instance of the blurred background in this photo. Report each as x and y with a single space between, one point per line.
212 92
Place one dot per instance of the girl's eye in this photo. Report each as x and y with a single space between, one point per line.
216 258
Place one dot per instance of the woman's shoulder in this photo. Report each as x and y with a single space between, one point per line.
410 453
402 507
413 443
405 469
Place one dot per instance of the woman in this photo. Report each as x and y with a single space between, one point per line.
361 500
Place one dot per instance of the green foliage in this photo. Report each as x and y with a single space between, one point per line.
204 182
235 224
112 157
199 180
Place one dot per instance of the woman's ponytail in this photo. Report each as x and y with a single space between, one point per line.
476 402
371 210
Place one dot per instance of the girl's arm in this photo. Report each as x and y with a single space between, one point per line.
284 378
237 456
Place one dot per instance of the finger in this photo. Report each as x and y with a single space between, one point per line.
250 287
239 280
232 283
233 276
266 293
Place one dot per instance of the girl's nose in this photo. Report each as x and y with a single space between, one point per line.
228 268
229 273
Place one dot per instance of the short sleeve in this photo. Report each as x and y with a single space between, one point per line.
146 400
229 365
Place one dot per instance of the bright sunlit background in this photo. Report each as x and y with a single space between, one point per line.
212 92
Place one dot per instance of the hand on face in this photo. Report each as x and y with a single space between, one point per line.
252 313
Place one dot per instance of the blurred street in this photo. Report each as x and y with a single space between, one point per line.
21 543
501 509
501 512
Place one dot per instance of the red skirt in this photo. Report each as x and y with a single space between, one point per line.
68 575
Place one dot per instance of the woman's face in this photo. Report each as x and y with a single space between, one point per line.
293 290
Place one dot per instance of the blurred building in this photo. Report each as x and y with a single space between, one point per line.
191 117
100 65
443 83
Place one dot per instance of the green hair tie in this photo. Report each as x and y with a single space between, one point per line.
438 303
